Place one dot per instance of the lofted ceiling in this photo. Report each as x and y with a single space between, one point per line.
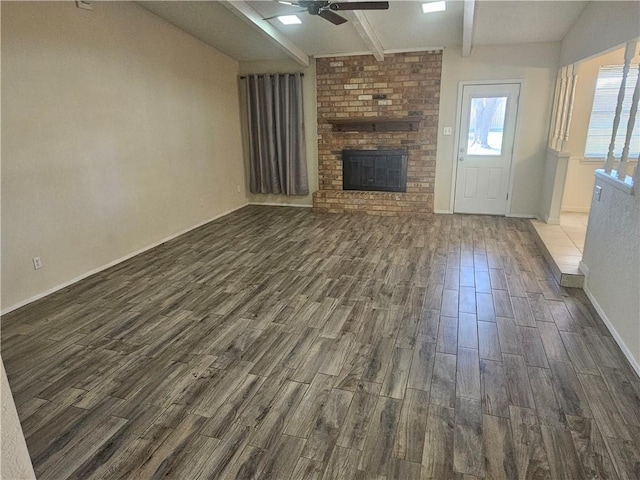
227 26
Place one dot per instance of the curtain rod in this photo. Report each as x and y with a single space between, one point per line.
242 77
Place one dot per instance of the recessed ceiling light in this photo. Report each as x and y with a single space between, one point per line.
434 7
289 19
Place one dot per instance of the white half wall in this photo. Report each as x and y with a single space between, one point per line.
612 259
555 171
534 64
310 127
119 130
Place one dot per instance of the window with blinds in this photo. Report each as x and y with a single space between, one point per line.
604 108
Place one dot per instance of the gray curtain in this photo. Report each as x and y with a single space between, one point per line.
278 162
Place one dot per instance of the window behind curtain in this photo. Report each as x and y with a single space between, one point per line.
604 109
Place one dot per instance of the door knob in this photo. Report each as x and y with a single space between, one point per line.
461 158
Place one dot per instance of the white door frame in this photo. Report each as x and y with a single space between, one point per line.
454 158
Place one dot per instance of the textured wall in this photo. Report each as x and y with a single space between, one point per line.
346 87
118 130
612 255
601 26
15 463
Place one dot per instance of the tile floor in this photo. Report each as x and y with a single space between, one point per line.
565 242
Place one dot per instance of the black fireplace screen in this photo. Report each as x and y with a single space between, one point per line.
374 170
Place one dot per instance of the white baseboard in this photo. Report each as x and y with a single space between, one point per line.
276 204
575 210
551 221
616 336
115 262
583 268
514 215
523 215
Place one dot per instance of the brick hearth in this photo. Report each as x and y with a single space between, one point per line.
404 85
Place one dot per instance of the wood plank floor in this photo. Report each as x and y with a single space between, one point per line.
279 344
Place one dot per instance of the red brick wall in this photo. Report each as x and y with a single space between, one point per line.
345 89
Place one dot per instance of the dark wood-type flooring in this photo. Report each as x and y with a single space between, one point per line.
278 344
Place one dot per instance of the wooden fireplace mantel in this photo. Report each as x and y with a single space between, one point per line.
375 124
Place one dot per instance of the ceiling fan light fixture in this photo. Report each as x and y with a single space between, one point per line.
289 19
432 7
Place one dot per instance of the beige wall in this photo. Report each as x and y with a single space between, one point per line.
119 130
579 183
536 66
310 125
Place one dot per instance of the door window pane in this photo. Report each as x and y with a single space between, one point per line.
486 125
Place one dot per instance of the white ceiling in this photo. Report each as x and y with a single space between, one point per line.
215 25
500 23
402 27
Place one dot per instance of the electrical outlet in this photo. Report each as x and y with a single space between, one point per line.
37 263
447 131
238 188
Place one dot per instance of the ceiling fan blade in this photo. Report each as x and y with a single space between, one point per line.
359 6
332 17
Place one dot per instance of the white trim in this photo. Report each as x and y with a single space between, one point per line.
575 210
600 161
115 262
516 136
456 146
413 50
614 333
443 212
523 215
551 221
386 52
583 268
589 161
614 181
276 204
349 54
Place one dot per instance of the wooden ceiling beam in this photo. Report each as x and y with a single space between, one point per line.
368 35
467 26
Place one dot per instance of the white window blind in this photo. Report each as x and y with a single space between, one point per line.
604 108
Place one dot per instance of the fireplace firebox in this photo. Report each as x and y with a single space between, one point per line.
374 170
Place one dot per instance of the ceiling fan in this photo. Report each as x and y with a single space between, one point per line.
328 9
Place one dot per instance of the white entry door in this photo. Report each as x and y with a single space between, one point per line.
485 147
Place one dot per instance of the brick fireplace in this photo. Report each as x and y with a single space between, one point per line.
364 104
